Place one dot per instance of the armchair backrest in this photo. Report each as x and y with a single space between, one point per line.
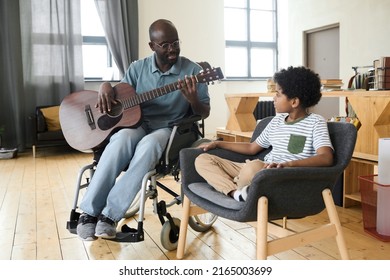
342 135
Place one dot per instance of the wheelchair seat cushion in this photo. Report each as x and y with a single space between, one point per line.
207 192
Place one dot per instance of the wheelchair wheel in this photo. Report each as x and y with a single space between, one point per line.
202 222
168 237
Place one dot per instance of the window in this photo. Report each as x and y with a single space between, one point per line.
98 62
250 38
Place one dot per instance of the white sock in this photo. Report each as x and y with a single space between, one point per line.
237 195
242 194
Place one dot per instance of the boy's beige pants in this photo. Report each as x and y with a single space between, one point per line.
226 175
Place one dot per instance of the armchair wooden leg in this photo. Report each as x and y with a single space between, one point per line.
262 229
334 219
183 228
34 150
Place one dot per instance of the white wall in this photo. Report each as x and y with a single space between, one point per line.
364 26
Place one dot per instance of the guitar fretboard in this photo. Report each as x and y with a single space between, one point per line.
135 100
149 95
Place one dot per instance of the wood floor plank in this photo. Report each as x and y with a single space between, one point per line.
27 251
6 243
73 249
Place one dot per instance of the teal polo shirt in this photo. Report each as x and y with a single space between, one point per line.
143 75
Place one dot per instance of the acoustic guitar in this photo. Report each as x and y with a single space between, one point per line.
85 128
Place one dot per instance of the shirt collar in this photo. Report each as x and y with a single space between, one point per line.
175 69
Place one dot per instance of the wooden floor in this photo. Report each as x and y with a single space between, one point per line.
36 196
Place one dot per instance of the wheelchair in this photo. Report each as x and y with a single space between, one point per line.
188 132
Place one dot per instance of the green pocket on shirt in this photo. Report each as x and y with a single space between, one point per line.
296 143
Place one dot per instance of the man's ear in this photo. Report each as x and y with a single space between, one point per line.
151 45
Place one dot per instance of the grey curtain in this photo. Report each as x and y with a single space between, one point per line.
120 23
11 76
41 60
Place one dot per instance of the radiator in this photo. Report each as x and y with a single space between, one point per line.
264 109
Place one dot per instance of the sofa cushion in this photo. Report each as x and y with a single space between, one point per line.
52 118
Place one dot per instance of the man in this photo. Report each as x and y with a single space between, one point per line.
108 198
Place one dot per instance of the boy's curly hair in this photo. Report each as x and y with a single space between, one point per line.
300 82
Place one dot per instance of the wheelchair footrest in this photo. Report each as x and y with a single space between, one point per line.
128 234
71 225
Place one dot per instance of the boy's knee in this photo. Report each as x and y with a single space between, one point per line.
247 172
200 160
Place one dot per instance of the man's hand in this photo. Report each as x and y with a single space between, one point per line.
188 89
106 97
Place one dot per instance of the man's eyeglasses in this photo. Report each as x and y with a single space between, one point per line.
165 46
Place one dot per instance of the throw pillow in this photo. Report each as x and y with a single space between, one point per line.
52 117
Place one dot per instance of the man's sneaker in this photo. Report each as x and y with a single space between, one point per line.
86 227
105 228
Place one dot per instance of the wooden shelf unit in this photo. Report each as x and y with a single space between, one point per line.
357 167
233 135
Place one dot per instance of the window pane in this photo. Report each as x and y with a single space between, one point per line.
235 3
236 62
262 62
96 55
95 60
262 5
262 26
90 21
236 29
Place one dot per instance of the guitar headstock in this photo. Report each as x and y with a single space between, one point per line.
210 75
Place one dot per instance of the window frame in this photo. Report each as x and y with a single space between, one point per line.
248 44
98 41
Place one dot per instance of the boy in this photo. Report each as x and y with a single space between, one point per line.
297 137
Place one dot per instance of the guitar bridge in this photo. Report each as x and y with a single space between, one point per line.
89 115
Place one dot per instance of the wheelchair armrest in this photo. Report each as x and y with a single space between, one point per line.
187 120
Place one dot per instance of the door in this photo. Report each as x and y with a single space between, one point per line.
322 55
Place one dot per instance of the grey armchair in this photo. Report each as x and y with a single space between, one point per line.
288 193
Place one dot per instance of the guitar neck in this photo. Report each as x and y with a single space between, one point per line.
149 95
203 77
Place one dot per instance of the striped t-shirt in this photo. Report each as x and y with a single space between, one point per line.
294 140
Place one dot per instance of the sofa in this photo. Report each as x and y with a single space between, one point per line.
45 128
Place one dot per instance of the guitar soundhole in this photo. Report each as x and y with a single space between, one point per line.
112 118
116 110
105 122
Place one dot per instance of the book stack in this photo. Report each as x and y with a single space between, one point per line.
331 84
382 73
